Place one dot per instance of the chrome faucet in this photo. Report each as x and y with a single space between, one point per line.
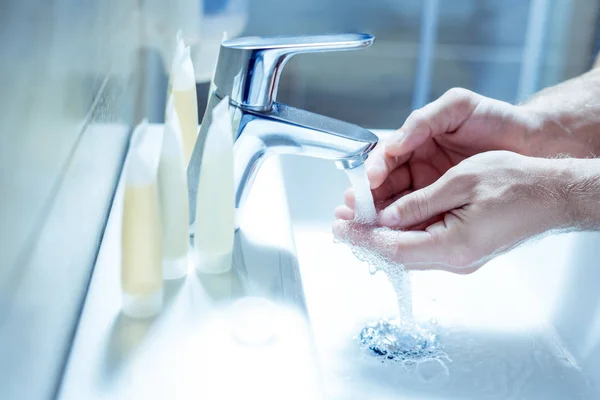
248 71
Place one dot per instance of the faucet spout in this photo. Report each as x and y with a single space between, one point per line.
283 130
288 130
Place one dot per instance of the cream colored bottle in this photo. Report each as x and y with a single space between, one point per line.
213 240
183 90
141 241
173 193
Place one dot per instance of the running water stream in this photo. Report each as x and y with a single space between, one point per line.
401 339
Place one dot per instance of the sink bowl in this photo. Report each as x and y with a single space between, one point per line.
525 326
283 323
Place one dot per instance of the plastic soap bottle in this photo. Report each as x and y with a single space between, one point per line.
213 240
141 241
173 194
183 90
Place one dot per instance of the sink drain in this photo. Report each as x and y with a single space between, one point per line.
397 342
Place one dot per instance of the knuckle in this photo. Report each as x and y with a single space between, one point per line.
461 181
468 180
458 93
461 95
416 116
418 207
461 99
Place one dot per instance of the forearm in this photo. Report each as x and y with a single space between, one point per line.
568 118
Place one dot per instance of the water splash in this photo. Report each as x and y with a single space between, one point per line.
400 340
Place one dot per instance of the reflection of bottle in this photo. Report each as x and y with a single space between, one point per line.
213 241
141 242
172 184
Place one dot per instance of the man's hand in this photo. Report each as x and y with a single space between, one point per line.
459 201
437 137
487 204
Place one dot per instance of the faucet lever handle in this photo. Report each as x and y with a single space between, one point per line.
249 68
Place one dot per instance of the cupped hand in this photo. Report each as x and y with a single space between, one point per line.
485 205
437 137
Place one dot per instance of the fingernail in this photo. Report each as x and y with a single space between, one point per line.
373 170
389 217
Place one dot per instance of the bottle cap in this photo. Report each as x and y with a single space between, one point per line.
142 305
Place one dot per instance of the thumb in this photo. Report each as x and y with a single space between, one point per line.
445 115
419 206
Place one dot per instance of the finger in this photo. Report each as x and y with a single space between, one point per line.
414 249
445 115
380 164
383 204
349 198
344 213
419 227
397 181
369 238
421 205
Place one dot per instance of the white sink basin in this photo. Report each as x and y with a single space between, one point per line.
526 326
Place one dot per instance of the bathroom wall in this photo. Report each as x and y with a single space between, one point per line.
70 74
479 44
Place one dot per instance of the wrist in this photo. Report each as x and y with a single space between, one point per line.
577 186
556 133
566 118
534 123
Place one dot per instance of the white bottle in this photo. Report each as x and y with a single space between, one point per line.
141 240
173 193
213 240
183 91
